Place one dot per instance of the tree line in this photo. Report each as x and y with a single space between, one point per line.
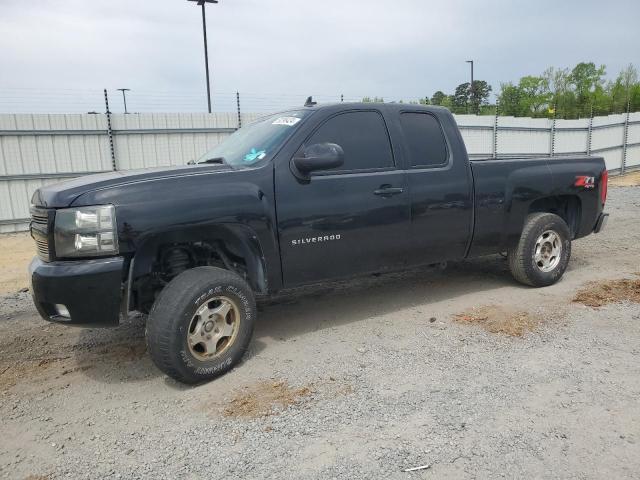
561 92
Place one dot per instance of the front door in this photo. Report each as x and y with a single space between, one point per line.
351 220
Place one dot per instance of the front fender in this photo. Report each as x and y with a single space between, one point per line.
237 206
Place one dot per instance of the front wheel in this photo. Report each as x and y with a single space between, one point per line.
542 254
201 324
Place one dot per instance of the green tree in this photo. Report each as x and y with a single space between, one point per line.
438 98
461 98
558 92
622 90
558 84
372 100
467 99
634 98
479 95
447 102
535 95
585 79
509 100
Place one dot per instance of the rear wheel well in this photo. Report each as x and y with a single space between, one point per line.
567 207
163 258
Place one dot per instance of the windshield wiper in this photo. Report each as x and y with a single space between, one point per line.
218 160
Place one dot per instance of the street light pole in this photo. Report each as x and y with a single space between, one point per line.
206 51
124 97
471 84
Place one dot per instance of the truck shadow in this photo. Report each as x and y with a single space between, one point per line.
115 355
322 307
119 355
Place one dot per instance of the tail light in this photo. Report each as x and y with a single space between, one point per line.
604 182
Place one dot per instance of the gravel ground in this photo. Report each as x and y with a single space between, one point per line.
361 380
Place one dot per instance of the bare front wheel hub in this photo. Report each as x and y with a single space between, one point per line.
213 328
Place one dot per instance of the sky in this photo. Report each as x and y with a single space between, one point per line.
59 55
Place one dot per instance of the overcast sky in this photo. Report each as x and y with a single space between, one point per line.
274 51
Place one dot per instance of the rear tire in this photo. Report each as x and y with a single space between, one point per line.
542 254
201 324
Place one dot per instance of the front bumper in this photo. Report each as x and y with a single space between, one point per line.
601 222
90 290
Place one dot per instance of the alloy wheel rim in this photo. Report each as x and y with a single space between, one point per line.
548 251
213 328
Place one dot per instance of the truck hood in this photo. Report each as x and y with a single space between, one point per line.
62 194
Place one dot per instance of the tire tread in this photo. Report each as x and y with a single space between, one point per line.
160 330
519 257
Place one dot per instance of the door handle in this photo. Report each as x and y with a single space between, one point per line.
388 190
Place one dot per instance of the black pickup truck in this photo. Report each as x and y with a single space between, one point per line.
300 197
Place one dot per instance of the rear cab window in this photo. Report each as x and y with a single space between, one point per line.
425 144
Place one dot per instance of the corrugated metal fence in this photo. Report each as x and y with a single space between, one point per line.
614 137
36 150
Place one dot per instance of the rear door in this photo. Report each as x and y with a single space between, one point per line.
346 221
440 188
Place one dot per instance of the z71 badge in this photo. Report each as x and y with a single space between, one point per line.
585 182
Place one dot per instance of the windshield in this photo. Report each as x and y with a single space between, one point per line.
257 142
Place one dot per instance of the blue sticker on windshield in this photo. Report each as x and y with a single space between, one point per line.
254 155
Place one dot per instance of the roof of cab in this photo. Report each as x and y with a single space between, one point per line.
379 105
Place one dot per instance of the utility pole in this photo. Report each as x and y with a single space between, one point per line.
206 51
124 97
471 84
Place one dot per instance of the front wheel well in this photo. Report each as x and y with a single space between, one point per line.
165 257
567 207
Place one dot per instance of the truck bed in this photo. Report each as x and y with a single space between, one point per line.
504 189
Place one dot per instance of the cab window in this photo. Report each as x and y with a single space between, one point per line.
362 135
424 140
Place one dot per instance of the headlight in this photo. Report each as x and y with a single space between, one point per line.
86 231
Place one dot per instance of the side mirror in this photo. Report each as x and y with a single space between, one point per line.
320 156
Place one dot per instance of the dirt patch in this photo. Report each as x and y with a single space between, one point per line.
124 352
597 294
16 251
629 180
36 370
50 364
48 351
12 374
496 319
265 398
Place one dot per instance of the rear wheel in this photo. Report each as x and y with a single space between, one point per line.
201 324
542 254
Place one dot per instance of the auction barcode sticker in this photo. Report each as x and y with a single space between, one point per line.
289 121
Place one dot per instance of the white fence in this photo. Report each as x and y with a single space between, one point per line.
614 137
36 150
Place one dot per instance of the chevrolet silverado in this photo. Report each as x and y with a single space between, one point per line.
305 196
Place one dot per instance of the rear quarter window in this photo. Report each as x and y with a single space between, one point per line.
425 143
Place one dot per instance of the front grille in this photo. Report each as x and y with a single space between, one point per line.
43 249
40 216
41 220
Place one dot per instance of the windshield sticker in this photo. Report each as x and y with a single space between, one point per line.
288 121
254 155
